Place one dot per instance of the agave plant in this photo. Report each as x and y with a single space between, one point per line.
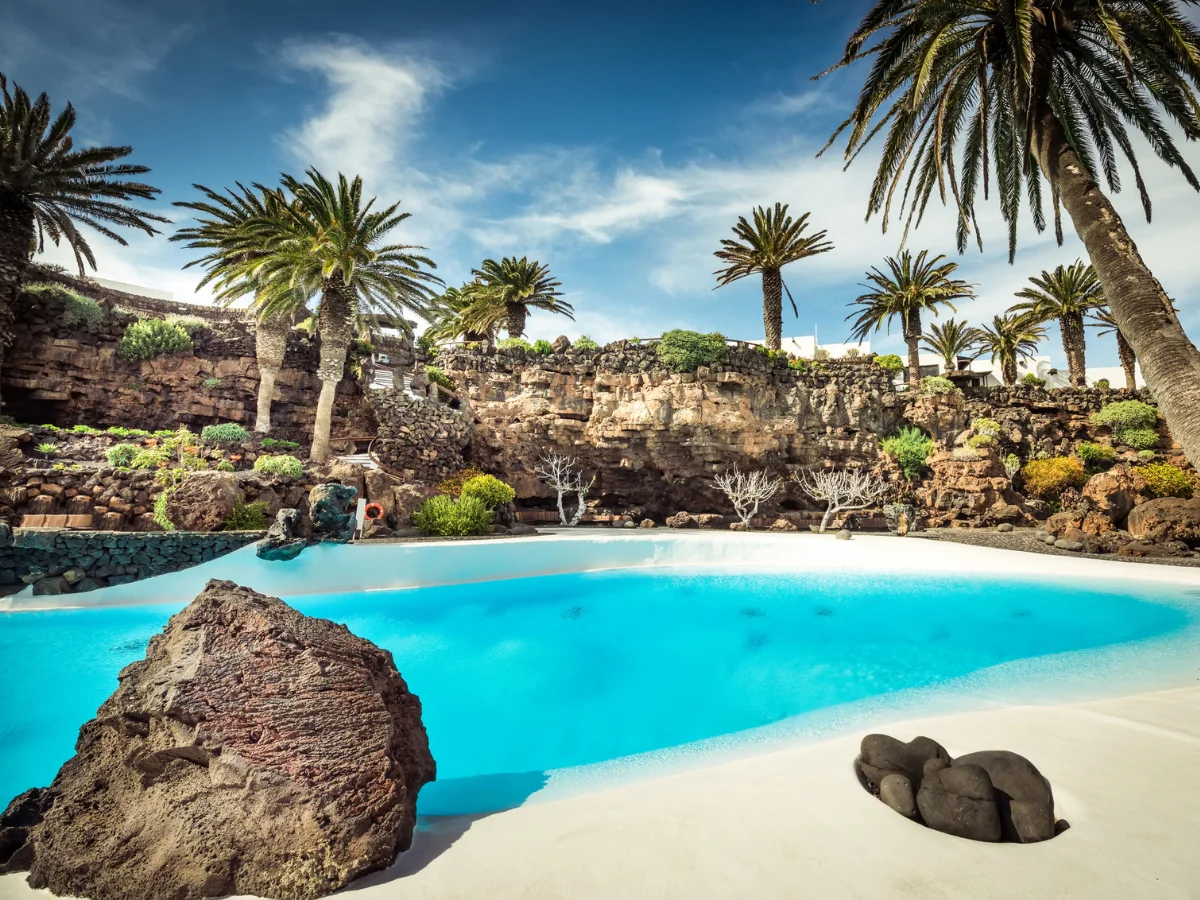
1046 92
48 188
910 285
773 241
1065 295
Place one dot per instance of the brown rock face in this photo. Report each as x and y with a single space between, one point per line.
1115 492
203 501
254 751
1167 519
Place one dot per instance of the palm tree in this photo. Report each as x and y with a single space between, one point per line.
1047 89
910 285
1011 337
1067 295
327 241
230 245
1108 325
773 241
951 341
449 310
505 292
48 188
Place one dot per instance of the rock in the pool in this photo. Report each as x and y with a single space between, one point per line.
992 795
254 750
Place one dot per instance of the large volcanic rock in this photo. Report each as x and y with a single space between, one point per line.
254 751
203 501
1167 519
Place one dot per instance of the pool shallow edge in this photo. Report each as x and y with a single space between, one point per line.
378 566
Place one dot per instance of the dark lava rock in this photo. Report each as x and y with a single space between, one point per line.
330 509
959 800
282 542
896 791
1023 796
522 528
881 755
253 751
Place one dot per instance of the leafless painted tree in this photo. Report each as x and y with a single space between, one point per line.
559 473
747 491
841 491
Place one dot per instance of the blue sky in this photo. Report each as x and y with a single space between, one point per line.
616 142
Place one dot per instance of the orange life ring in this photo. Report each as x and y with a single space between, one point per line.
374 511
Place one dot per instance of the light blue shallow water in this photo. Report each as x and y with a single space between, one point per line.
524 676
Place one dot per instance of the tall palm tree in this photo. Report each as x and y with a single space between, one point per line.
951 341
1047 89
910 285
1011 337
1065 295
505 292
223 232
1108 325
770 243
449 313
48 188
327 241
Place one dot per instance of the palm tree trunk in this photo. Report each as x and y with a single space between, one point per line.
16 239
335 322
1170 362
1009 368
270 345
1075 347
772 285
1128 361
912 337
517 312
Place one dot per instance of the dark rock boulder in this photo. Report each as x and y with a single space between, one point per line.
1166 519
682 520
331 511
203 501
253 751
283 541
1023 796
960 800
881 755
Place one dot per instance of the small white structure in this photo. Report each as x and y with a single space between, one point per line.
136 289
806 347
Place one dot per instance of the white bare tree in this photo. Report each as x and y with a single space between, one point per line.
559 473
747 491
841 491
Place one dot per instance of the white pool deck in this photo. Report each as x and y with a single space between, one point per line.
792 823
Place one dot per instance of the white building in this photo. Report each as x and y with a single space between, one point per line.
1042 367
136 289
806 347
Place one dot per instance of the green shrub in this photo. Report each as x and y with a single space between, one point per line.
212 383
1033 381
287 466
453 485
987 428
1126 414
910 447
1146 454
890 363
542 347
164 433
118 431
121 456
275 444
47 449
149 338
438 377
225 433
490 489
1138 438
193 325
936 384
1097 457
1104 384
798 365
161 519
49 428
585 343
686 351
514 344
150 458
980 441
79 312
85 429
225 466
446 517
1165 480
246 516
1047 478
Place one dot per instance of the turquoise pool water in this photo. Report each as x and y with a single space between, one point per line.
525 676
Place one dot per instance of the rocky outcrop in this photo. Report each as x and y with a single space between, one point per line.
253 751
283 540
419 440
992 795
972 492
1167 519
1115 493
331 512
203 501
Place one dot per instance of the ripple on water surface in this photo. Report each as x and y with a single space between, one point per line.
521 677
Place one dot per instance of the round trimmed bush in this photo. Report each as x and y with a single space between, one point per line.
443 516
1047 478
542 347
1138 438
287 466
585 343
686 351
936 384
890 363
1032 380
225 433
490 489
1165 480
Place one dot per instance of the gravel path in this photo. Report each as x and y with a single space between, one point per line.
1023 539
